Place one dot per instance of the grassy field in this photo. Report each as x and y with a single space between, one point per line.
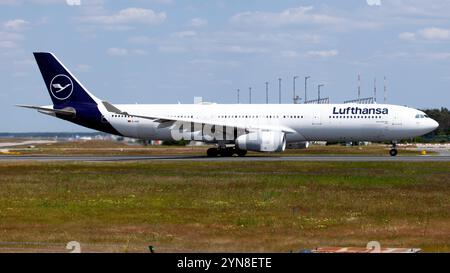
237 206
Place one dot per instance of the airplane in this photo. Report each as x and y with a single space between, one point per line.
234 129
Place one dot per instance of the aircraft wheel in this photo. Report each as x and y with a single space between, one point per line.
212 152
227 152
241 153
393 152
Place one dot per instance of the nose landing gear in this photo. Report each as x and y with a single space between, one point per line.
393 151
212 152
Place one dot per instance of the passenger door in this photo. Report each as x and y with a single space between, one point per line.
316 118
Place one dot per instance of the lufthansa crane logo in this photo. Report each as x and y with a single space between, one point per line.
61 87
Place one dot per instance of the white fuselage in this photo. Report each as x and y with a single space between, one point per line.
302 122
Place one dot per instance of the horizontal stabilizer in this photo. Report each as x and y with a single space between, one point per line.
68 111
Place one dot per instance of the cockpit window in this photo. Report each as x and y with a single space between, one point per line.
422 116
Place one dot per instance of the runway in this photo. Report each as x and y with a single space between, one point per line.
311 158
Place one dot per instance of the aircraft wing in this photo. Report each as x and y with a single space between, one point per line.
221 123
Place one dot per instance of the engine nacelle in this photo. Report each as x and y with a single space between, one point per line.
262 141
299 145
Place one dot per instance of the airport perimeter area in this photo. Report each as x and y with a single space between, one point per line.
221 206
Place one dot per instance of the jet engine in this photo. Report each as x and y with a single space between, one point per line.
262 141
299 145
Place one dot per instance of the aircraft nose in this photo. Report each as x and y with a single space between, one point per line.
434 124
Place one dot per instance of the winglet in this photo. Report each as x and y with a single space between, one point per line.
111 108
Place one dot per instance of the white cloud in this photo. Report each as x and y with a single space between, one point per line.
48 2
73 2
162 1
415 56
23 66
10 34
239 49
435 33
435 56
212 62
128 16
15 25
407 36
198 22
233 42
24 63
374 2
139 52
115 51
9 2
10 40
8 44
185 34
172 49
291 16
323 54
39 2
290 54
429 8
141 40
83 68
430 34
122 52
204 47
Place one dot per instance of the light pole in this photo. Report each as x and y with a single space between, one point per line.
267 92
294 97
238 99
250 94
318 92
306 85
359 86
279 90
375 90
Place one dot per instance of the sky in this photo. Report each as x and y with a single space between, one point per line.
169 51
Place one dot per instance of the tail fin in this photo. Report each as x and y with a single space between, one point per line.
63 87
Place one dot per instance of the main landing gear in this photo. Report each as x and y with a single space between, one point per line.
225 152
393 151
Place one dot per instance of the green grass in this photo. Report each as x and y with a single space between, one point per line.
219 206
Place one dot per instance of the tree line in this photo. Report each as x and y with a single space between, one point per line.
442 116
